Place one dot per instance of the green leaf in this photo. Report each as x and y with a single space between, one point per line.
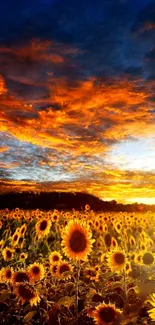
29 316
66 301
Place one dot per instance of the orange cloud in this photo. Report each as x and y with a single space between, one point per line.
80 123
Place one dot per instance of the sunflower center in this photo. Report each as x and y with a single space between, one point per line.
107 314
25 292
64 268
55 258
78 242
21 277
15 237
119 258
107 240
8 254
43 225
148 258
8 274
36 270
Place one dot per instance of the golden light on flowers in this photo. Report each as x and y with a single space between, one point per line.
8 253
15 239
117 260
64 270
118 227
132 240
55 257
23 257
148 258
6 274
91 273
77 240
106 314
36 271
23 229
43 227
26 293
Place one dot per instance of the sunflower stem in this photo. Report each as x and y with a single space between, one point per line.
77 289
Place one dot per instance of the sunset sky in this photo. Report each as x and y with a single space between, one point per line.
77 97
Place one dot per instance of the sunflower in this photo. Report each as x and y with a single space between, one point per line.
106 314
43 227
114 243
15 239
138 258
55 257
36 271
23 257
107 239
132 241
91 273
117 260
23 229
26 293
151 312
20 276
128 268
77 240
118 227
55 216
6 274
148 258
64 270
8 253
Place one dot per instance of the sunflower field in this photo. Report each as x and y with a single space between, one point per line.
76 267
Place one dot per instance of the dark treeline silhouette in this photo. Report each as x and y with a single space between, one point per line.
65 201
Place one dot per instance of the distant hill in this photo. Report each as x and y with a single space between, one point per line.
65 201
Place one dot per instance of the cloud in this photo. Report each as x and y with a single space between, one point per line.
76 87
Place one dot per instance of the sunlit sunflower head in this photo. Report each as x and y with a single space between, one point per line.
87 207
91 274
128 268
23 257
77 240
138 258
43 227
114 243
6 274
104 257
8 253
148 258
23 229
64 270
26 293
117 260
106 314
36 272
118 227
15 239
55 216
132 241
55 257
20 276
